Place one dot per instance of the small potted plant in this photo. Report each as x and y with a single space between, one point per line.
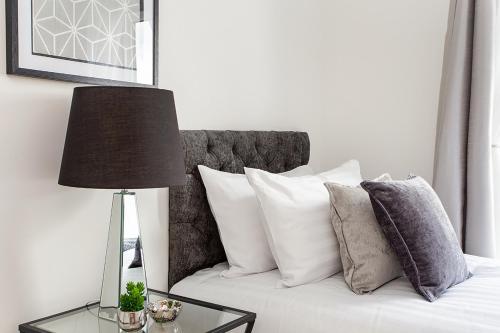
131 314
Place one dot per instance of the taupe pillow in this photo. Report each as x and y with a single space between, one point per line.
366 255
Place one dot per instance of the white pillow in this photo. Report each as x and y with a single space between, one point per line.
297 221
239 219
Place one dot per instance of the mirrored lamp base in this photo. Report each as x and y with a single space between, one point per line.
124 245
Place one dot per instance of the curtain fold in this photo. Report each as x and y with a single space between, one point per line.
463 171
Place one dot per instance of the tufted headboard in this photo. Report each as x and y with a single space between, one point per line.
194 241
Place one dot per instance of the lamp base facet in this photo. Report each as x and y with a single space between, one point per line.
124 254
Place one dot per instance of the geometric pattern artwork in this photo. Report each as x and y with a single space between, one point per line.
93 31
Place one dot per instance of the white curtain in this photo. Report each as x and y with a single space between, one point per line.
465 173
496 136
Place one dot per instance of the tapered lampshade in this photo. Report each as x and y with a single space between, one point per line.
122 138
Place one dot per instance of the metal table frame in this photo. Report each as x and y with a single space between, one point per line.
247 318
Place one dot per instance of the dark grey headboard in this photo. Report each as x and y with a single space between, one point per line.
194 241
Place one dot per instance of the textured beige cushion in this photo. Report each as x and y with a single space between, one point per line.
367 258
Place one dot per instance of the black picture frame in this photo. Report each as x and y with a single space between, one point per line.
12 53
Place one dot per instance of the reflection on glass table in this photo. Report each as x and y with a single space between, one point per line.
195 317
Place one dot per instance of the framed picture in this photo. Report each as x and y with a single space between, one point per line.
105 42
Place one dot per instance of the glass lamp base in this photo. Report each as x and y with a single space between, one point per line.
124 254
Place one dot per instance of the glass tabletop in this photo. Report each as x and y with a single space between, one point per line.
195 317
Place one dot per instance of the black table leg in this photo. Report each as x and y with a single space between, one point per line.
250 326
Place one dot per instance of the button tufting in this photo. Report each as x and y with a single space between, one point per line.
193 236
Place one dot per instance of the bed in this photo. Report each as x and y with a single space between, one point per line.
196 258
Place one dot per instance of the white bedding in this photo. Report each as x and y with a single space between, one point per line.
329 305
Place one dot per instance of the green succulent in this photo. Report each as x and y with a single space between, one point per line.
133 300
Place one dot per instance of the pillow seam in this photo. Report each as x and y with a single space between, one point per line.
346 247
253 181
393 225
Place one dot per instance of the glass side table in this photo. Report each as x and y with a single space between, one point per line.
196 317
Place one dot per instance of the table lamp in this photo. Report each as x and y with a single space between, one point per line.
122 138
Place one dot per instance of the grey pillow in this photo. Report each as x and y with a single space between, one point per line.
418 229
366 255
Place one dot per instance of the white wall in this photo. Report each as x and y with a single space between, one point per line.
246 64
383 84
346 71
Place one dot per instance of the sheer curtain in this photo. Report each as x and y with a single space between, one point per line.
467 162
496 136
496 178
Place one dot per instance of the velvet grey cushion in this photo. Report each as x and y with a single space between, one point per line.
418 229
367 258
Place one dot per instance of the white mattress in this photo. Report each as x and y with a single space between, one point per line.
329 306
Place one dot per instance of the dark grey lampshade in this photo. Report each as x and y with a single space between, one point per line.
122 138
